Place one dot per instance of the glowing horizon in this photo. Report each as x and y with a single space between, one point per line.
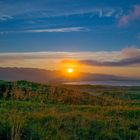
123 63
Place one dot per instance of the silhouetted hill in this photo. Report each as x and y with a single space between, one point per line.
47 76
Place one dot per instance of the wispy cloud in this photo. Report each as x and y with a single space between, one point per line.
51 30
95 11
5 17
43 9
125 57
129 56
132 15
124 62
68 29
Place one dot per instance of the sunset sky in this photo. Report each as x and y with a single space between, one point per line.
96 36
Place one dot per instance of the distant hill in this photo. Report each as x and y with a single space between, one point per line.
47 76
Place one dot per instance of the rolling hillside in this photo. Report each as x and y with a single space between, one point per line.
31 111
47 76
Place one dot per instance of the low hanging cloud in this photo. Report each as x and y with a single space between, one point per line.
126 57
129 56
132 15
124 62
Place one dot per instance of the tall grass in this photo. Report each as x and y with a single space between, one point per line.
30 111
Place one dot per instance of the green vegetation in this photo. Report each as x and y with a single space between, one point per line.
30 111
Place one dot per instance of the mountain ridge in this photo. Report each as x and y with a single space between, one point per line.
48 76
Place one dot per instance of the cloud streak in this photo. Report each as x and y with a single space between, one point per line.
51 30
124 62
63 30
125 57
47 8
5 17
132 15
128 56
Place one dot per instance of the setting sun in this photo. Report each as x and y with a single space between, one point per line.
70 70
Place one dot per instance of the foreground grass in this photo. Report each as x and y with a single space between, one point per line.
75 116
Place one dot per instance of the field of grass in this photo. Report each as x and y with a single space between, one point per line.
30 111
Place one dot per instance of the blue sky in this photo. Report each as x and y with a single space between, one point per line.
69 25
96 36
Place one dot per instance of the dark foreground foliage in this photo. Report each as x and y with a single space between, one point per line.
30 111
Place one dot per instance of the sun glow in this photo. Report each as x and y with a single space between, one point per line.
70 70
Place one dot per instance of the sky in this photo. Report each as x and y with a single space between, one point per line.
101 36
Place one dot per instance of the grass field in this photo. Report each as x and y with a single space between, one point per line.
30 111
